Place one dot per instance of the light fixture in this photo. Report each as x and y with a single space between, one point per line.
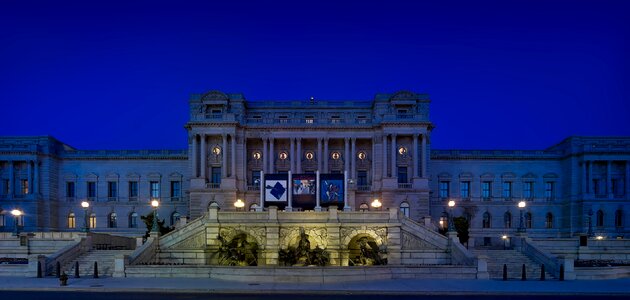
155 203
155 228
239 204
522 204
16 212
451 204
599 237
85 204
376 203
504 237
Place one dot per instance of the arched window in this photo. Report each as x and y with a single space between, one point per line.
72 222
253 207
92 220
549 221
444 221
364 207
404 208
507 219
175 218
528 220
111 220
600 219
619 218
133 220
487 220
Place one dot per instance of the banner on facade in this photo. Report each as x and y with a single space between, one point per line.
304 191
331 189
276 189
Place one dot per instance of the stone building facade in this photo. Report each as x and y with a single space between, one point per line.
383 146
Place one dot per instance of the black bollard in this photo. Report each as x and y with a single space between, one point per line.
504 272
39 269
58 269
561 273
76 270
542 272
95 270
523 274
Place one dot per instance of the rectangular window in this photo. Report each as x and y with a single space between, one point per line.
402 175
176 190
309 119
465 189
70 190
486 190
549 190
617 187
362 119
283 119
216 175
133 191
24 186
528 188
362 178
596 189
444 189
335 119
112 190
91 190
256 178
507 190
6 189
155 189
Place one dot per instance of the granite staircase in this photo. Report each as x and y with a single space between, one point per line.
105 259
514 261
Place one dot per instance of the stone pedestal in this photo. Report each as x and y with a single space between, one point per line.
482 267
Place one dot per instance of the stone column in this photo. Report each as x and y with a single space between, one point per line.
298 157
194 156
272 157
423 160
233 155
609 179
414 155
346 158
265 154
584 174
224 157
319 154
36 180
292 154
591 190
394 146
627 178
353 159
11 180
384 155
326 155
203 162
372 157
29 175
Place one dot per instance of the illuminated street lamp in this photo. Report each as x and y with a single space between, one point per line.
521 208
155 204
16 215
85 206
376 204
239 204
451 204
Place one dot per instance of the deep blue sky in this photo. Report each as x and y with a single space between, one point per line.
501 74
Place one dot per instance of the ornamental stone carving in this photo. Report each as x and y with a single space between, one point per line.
378 233
410 242
256 232
317 236
197 241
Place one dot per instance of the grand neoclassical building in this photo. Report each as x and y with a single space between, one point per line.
312 155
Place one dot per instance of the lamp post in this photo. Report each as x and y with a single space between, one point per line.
155 204
521 208
590 232
16 215
451 204
239 204
85 206
376 204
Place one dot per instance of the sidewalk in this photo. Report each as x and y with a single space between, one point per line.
398 286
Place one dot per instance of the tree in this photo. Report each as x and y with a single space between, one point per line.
462 226
148 221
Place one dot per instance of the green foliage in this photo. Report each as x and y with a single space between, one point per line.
462 226
238 251
148 221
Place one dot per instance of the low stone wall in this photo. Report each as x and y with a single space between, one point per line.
304 274
424 257
599 273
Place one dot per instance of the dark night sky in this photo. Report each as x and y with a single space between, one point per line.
501 74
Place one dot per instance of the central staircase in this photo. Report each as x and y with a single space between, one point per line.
514 261
105 259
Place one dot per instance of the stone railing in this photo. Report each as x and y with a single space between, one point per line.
459 254
67 254
552 264
430 236
182 233
102 241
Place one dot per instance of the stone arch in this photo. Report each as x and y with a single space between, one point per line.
380 238
253 233
354 249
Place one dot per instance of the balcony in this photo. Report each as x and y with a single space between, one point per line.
404 186
112 199
364 188
253 188
133 199
213 186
